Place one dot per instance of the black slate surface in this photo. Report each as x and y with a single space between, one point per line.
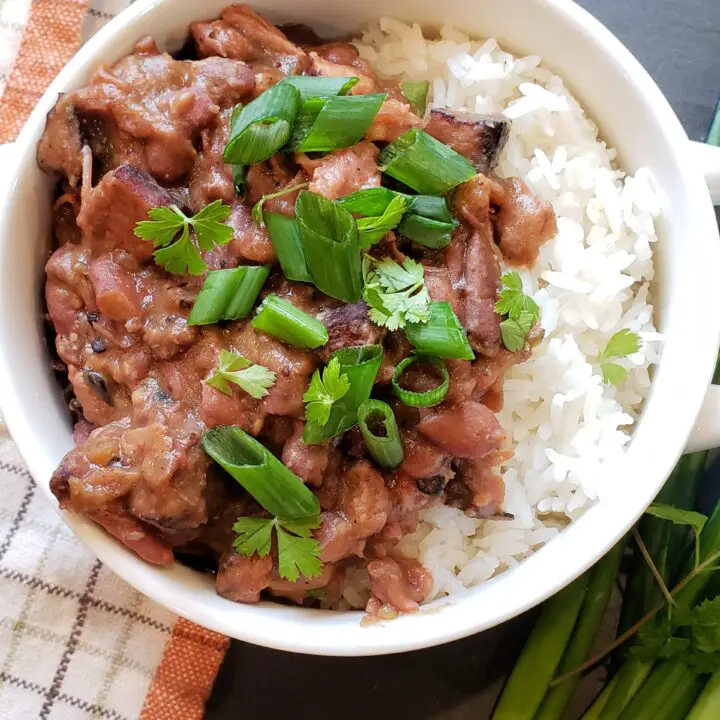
678 41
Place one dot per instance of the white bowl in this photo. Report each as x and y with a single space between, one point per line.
634 117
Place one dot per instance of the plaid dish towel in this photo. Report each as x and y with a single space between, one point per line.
76 642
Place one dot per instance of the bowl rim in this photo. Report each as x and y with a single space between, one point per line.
287 628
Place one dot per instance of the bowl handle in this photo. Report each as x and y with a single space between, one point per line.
706 432
707 158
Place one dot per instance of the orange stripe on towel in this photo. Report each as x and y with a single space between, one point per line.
184 679
52 36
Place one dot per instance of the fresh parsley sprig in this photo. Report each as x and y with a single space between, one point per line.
396 294
298 551
324 391
522 312
169 230
255 380
622 343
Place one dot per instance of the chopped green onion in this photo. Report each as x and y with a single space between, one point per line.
526 686
326 124
330 244
431 207
426 399
281 319
228 294
361 365
263 126
417 94
425 164
277 489
380 432
373 229
373 201
426 232
257 211
321 87
285 237
442 335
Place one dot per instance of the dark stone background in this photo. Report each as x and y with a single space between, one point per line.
678 41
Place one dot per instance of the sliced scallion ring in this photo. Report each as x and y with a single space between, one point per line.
426 399
417 94
380 432
285 237
424 231
441 336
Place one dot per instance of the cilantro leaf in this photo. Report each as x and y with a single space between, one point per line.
180 255
373 229
298 552
254 536
656 642
623 342
395 294
704 621
297 555
232 368
612 373
522 312
678 516
324 391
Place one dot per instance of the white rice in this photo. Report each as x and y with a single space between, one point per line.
590 281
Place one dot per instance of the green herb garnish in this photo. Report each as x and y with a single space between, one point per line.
395 294
180 255
238 370
257 211
325 391
298 551
521 310
622 343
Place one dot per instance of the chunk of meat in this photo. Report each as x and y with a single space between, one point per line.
403 587
348 326
111 210
392 120
242 579
308 462
270 177
297 590
345 171
472 202
59 149
479 138
212 177
242 34
164 103
489 370
99 399
482 282
69 292
237 409
133 535
341 59
361 509
524 222
250 241
468 430
440 288
115 290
